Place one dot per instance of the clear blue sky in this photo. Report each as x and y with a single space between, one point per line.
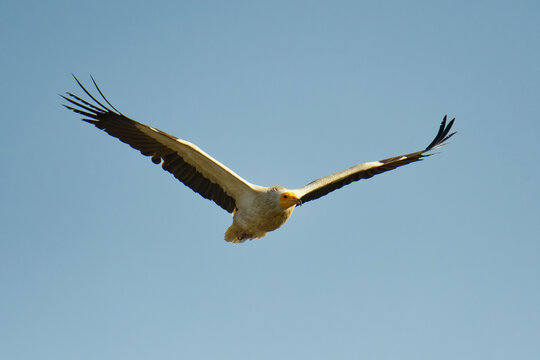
105 256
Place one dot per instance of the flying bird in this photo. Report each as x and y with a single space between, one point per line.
256 209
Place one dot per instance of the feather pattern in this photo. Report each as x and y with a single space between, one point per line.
185 161
327 184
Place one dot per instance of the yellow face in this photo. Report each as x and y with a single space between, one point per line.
288 199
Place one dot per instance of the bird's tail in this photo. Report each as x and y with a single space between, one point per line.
237 235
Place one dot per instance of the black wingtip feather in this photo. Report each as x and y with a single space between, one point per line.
98 109
442 134
78 111
88 93
103 96
91 110
86 108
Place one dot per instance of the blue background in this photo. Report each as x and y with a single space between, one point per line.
105 256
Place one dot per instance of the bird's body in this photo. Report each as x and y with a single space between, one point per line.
258 213
256 209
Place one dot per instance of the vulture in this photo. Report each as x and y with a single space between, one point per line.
256 209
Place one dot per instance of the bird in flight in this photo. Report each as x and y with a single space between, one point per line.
256 209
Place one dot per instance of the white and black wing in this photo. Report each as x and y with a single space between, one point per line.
184 160
327 184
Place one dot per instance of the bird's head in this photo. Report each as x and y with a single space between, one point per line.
288 199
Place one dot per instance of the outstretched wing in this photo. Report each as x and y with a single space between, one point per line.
327 184
184 160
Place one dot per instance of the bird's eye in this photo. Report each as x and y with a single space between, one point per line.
284 196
